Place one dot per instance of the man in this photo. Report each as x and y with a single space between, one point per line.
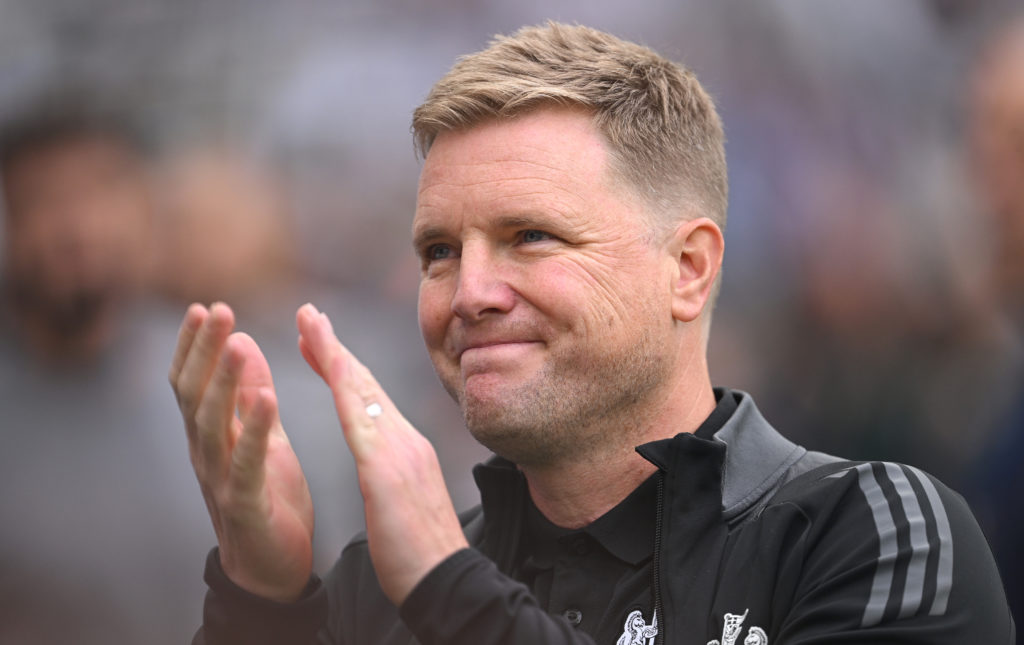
77 224
568 221
89 476
995 143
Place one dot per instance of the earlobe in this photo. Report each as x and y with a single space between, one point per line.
697 247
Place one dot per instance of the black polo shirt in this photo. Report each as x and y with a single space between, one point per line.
595 576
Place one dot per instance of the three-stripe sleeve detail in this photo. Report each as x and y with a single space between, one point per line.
881 512
914 570
944 574
913 589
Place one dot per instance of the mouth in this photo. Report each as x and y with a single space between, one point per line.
493 347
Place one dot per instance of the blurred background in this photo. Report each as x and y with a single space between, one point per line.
154 153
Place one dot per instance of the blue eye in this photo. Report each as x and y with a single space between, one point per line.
439 252
533 235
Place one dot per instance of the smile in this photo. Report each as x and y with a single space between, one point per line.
495 351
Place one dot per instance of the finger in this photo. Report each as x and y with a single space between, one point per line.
307 354
310 320
255 373
216 412
355 390
318 342
316 345
250 453
352 385
320 346
194 317
202 357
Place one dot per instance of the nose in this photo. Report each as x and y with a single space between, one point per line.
481 290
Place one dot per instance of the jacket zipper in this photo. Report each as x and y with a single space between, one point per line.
659 637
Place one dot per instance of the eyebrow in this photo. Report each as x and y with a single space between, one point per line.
426 235
429 233
520 221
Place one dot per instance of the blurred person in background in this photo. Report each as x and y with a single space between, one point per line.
90 475
224 232
77 220
995 136
856 262
996 146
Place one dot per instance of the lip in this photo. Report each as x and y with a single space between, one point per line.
492 344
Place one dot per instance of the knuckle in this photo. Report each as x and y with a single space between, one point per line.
369 394
187 401
181 386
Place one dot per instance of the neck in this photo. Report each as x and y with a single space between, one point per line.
573 493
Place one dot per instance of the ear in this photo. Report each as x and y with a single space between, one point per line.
696 247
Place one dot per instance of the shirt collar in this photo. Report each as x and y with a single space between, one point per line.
627 530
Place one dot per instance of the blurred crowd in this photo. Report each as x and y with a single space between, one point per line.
154 153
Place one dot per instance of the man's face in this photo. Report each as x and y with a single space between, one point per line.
76 225
996 138
544 301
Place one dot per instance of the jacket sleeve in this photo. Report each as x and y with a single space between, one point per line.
466 600
232 615
894 556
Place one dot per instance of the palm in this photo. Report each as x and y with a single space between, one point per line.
267 530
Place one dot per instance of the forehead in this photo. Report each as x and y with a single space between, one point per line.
550 155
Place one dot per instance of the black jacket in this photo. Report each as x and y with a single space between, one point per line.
759 542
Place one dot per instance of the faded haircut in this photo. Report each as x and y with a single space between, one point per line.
663 134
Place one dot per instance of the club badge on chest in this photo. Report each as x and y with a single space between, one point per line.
733 626
636 631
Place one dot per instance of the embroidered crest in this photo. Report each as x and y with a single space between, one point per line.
733 626
636 631
756 636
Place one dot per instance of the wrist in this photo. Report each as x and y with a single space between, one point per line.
276 589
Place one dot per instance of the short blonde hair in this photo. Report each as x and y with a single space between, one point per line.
664 136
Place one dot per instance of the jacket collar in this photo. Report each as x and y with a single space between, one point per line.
755 461
756 458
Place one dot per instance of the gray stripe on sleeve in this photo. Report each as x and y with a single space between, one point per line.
913 590
881 587
944 575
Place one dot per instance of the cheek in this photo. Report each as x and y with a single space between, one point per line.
570 302
434 313
597 295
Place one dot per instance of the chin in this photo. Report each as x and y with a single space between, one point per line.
519 445
516 432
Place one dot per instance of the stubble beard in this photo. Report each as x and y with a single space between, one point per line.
572 407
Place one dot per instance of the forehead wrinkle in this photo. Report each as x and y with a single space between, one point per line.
496 170
550 195
543 193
